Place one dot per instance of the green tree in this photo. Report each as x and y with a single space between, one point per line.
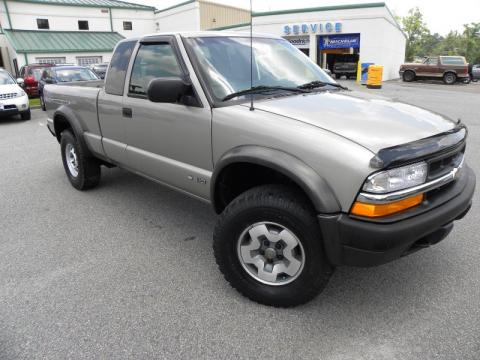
416 31
471 35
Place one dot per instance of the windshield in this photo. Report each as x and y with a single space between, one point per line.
66 75
6 79
36 73
225 64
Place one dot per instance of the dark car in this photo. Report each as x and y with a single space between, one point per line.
61 74
30 74
99 69
475 72
345 64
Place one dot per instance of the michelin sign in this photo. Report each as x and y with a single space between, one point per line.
315 28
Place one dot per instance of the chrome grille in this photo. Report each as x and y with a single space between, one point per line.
8 96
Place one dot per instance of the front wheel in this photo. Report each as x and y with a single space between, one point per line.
26 115
408 76
83 172
268 246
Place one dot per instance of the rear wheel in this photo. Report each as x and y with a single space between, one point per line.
408 76
83 172
449 78
268 246
42 103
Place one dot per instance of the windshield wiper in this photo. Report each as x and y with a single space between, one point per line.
262 88
318 83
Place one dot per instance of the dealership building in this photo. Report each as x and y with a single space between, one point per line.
86 31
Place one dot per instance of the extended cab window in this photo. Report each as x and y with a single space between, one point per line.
152 61
453 60
117 71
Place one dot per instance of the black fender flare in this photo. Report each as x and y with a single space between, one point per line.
66 113
316 188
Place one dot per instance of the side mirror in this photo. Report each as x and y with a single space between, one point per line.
20 81
168 90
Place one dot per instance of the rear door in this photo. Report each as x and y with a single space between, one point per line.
169 142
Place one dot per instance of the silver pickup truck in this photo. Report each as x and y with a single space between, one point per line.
304 174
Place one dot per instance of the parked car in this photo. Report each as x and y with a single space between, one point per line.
31 73
99 69
309 177
448 68
345 65
476 72
61 74
13 99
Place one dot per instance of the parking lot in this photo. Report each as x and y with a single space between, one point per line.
127 270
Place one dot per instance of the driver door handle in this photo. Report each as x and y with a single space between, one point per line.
127 112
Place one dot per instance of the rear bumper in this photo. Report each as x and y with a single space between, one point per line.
351 241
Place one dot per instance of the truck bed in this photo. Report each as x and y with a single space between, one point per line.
79 98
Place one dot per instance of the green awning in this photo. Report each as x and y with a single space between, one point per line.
115 4
36 41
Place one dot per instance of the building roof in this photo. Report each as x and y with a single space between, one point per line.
321 8
34 41
115 4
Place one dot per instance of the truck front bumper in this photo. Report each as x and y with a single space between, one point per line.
356 242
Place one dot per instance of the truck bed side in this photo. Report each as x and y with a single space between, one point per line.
78 103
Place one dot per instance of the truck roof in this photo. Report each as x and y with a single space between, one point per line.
191 34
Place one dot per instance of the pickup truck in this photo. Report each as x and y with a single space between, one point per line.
448 68
304 174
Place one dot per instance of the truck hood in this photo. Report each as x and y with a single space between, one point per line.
371 121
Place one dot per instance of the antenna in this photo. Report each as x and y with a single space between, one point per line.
251 55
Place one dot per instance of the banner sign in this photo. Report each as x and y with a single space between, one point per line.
340 41
300 42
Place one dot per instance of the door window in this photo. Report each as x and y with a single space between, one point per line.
152 61
118 68
432 61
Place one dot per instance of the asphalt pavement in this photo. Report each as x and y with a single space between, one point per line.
126 271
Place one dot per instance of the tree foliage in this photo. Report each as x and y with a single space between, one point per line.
421 42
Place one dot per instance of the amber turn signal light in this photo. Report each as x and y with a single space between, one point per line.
377 210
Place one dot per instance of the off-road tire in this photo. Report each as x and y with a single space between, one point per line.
282 205
408 76
26 115
449 78
88 168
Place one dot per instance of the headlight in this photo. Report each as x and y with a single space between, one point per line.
21 93
397 179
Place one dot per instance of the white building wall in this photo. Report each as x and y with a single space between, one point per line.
142 22
381 42
182 18
65 18
70 58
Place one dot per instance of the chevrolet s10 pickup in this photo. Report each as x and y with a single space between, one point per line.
304 174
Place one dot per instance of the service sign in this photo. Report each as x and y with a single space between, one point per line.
313 28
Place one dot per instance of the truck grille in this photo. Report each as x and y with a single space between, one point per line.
8 96
444 164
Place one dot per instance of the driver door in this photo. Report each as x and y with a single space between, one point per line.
169 142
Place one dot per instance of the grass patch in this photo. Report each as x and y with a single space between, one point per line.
34 102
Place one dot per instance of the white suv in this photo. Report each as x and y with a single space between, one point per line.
13 100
